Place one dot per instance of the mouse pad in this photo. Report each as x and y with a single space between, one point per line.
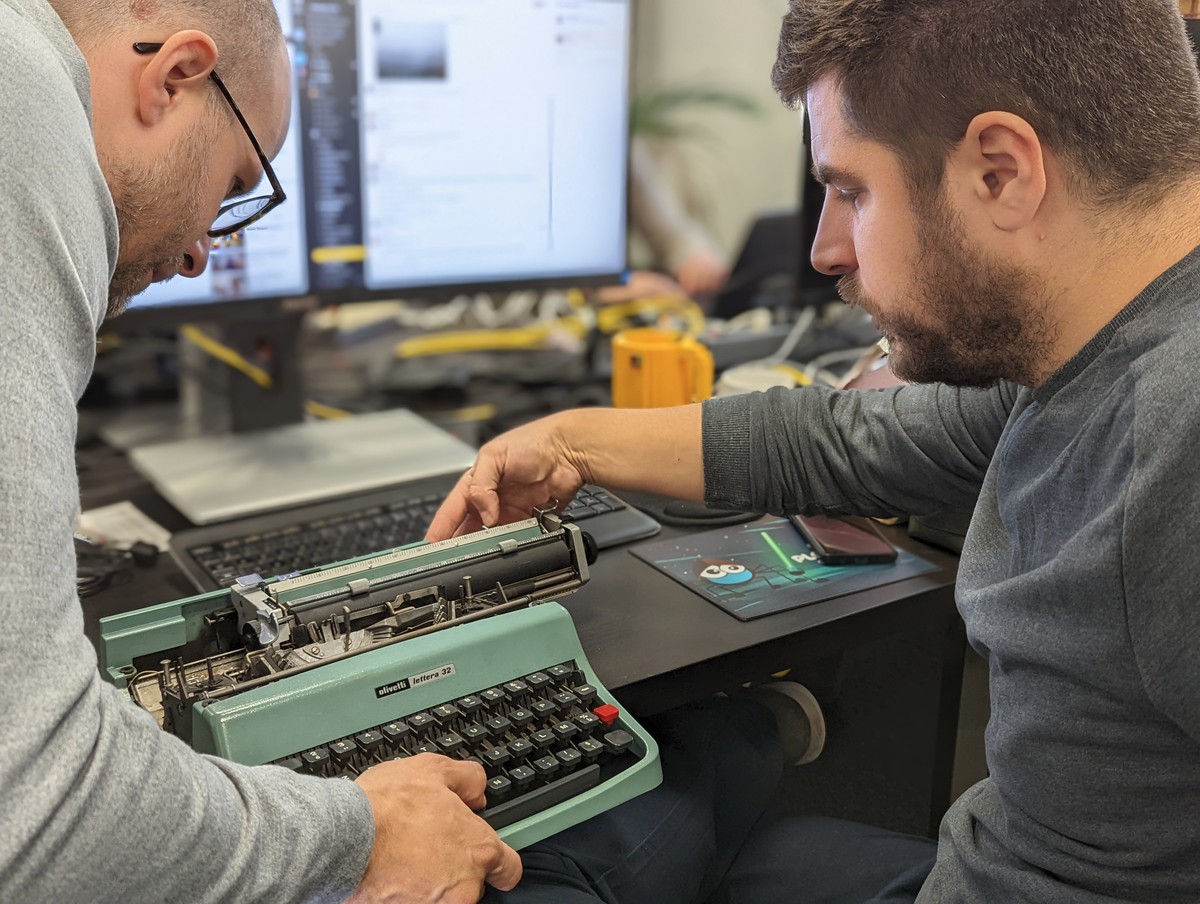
755 569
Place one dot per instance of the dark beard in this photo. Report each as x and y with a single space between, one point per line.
982 321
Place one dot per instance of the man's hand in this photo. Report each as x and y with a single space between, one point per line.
543 464
527 468
702 273
429 846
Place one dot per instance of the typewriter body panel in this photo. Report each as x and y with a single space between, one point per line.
335 662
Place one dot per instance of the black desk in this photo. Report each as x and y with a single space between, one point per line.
657 645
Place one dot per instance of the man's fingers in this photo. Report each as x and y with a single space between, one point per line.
467 780
486 502
454 511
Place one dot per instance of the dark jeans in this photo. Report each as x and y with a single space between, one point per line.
709 833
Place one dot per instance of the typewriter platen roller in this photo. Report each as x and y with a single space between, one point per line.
335 669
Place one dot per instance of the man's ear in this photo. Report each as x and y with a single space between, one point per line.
175 75
1002 162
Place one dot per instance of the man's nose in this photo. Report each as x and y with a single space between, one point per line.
195 259
833 248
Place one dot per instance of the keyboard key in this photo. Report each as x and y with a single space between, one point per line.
519 748
499 788
522 776
569 758
396 733
590 749
474 733
545 766
585 692
342 750
618 741
566 699
421 722
520 717
587 722
315 760
445 713
564 731
607 713
498 726
369 741
495 757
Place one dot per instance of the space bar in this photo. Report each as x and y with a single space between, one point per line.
543 798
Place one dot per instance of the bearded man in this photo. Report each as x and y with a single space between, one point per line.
1026 234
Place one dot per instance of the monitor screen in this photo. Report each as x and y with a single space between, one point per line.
436 145
812 286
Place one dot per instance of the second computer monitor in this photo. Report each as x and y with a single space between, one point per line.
436 144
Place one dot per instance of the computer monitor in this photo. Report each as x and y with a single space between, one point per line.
812 286
774 267
437 146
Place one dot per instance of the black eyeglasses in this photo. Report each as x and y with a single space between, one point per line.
239 213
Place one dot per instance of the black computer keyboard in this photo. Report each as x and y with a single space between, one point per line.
301 538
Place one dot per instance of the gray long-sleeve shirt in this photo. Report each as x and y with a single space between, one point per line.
1078 583
96 803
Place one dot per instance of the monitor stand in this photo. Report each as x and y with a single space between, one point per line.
273 458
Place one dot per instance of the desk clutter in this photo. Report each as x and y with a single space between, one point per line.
454 648
755 569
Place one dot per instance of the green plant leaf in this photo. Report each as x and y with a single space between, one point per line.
653 114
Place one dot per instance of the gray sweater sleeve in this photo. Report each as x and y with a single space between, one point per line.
96 802
911 450
1158 542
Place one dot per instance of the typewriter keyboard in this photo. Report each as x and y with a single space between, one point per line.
542 738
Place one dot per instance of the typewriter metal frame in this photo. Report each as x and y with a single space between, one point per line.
188 661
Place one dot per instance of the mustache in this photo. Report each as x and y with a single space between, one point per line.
851 292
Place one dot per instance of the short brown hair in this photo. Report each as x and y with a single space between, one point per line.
1110 86
246 32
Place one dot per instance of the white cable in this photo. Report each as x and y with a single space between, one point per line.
802 325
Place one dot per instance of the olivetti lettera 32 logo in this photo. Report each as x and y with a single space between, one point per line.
386 690
442 671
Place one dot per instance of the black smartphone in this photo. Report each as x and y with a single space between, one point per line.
841 542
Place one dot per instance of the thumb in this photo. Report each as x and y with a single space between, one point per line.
507 873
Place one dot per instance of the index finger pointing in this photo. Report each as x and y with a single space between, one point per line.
483 489
454 510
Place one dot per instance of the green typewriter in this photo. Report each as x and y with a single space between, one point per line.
454 648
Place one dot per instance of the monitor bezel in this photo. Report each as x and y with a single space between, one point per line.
159 317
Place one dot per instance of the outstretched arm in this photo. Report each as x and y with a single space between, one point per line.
546 462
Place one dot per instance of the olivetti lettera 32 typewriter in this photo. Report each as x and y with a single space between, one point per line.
450 647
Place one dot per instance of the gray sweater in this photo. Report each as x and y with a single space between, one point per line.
1078 583
96 803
